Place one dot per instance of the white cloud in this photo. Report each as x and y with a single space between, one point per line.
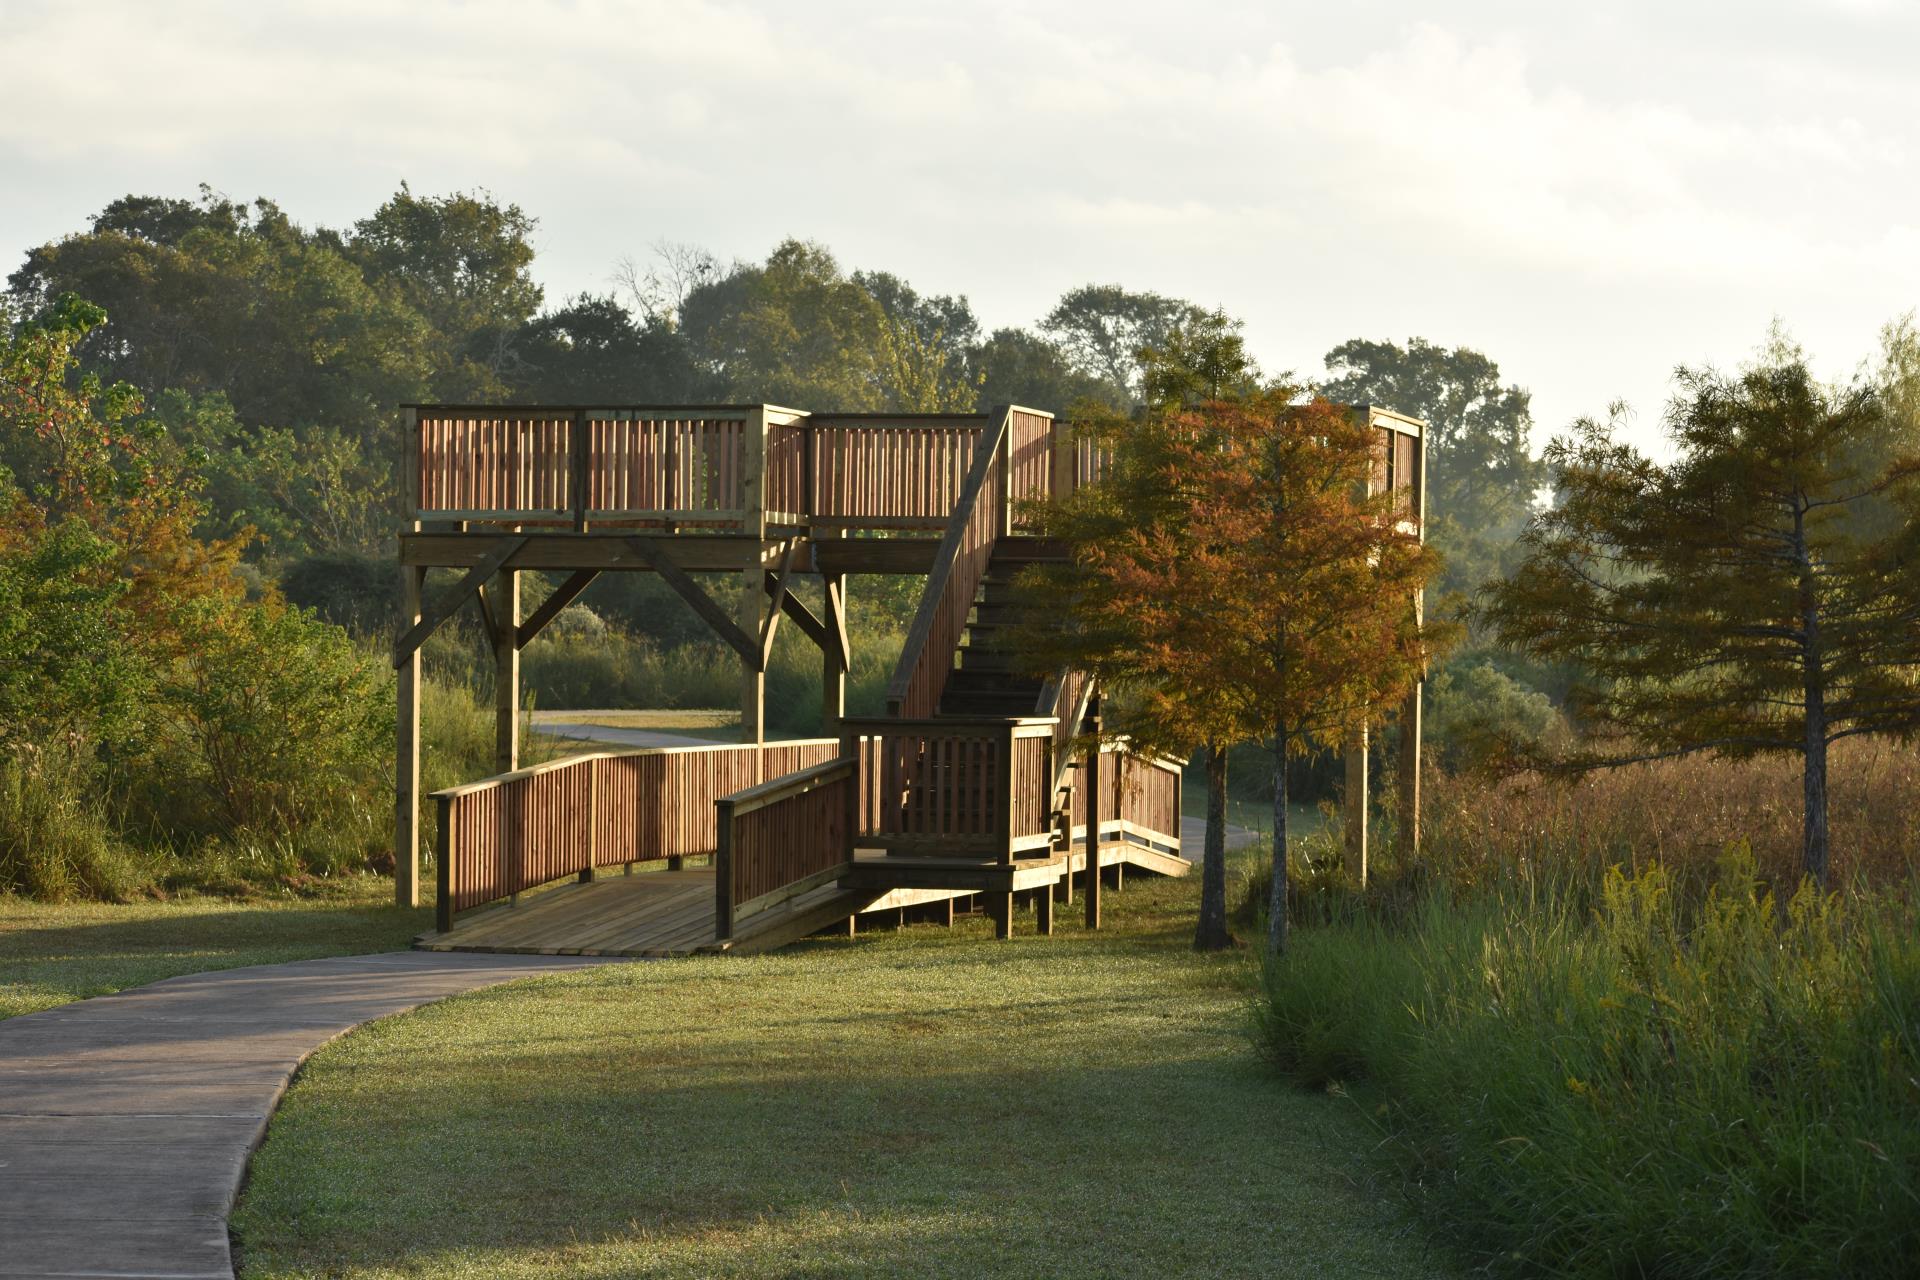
1590 197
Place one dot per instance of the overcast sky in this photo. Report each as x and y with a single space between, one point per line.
1589 194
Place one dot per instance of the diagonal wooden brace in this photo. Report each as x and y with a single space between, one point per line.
416 635
703 604
563 595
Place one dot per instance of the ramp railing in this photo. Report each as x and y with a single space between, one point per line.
516 831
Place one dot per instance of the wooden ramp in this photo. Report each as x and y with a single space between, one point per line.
653 913
671 913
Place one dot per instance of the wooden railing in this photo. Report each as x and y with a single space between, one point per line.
979 518
1139 798
951 786
890 473
717 467
781 839
504 835
1064 699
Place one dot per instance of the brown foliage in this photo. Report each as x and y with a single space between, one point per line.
1681 813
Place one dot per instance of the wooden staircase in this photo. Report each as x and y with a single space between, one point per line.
989 680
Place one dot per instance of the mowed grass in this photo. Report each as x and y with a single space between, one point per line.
920 1102
54 953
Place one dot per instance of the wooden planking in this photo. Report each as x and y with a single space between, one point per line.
511 833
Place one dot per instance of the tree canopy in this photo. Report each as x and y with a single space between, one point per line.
1748 597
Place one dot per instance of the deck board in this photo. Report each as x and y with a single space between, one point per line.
669 913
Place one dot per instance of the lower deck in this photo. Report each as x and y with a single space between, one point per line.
672 913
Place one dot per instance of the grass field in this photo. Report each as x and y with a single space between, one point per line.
51 954
920 1102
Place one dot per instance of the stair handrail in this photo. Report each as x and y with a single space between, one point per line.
1065 698
959 563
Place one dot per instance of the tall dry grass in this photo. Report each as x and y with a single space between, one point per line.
1681 815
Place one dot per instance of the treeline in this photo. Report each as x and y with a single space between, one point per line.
272 354
197 495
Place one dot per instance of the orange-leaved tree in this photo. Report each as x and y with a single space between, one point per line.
1248 586
1104 632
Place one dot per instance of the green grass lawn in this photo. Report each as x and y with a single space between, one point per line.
920 1102
50 954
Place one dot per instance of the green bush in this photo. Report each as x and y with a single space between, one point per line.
272 720
1656 1088
56 841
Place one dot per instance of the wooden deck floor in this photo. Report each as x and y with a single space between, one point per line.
652 913
671 913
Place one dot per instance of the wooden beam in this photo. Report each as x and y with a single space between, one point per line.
804 618
695 552
1090 774
506 672
1353 808
771 626
563 595
836 658
406 754
416 635
483 601
703 604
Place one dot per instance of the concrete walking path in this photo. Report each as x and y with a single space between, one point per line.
126 1121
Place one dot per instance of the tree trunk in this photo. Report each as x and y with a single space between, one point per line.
1813 769
1277 895
1212 933
1814 776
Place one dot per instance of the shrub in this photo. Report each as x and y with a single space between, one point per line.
273 719
1724 1087
56 841
359 593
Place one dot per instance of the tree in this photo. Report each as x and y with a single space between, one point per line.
1481 473
1017 367
591 351
1102 328
1205 363
1233 580
794 330
925 343
1737 600
463 264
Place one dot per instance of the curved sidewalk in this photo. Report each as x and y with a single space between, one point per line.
126 1120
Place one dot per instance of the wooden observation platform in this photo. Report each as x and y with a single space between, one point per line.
969 785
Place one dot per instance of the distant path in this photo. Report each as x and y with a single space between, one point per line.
1193 837
126 1120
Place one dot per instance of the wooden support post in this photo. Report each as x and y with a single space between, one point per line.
753 521
443 865
1409 779
580 467
1043 912
675 863
1091 774
1354 807
723 870
505 599
592 818
834 662
1000 907
943 912
1410 747
406 773
753 675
